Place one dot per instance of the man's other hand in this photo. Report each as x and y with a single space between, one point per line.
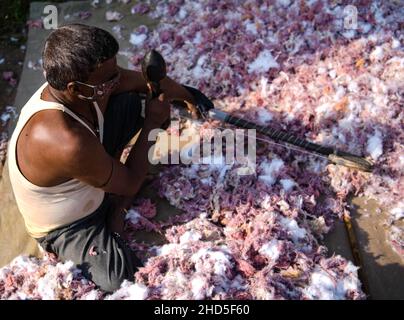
157 111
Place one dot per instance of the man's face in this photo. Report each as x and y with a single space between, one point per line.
101 82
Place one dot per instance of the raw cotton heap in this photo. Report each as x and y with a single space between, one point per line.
47 279
297 65
291 65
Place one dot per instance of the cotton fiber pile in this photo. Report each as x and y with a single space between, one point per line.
295 65
291 65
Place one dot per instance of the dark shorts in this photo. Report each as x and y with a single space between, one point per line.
102 255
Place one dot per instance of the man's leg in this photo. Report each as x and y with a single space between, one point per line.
101 255
122 120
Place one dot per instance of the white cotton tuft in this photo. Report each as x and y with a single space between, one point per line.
293 228
271 250
284 3
137 292
133 216
287 184
325 286
377 53
322 286
197 288
113 16
269 170
395 44
137 39
251 27
199 72
397 212
263 63
190 236
375 145
129 291
166 249
264 116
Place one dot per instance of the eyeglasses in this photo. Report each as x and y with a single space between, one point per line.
99 90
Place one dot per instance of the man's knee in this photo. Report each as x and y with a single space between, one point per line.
112 279
122 120
125 100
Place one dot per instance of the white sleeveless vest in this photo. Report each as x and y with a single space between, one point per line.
47 208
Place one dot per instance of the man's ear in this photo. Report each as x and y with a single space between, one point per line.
72 89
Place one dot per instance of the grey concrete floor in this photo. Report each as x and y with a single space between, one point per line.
382 270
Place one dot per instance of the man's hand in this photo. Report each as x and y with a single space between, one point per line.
201 103
157 111
134 81
173 91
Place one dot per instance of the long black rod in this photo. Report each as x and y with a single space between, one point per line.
277 135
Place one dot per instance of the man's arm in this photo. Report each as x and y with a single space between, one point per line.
86 159
134 81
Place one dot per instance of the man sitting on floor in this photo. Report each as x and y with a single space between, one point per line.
64 153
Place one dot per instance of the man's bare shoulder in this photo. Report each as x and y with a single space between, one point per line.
57 135
75 152
51 148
